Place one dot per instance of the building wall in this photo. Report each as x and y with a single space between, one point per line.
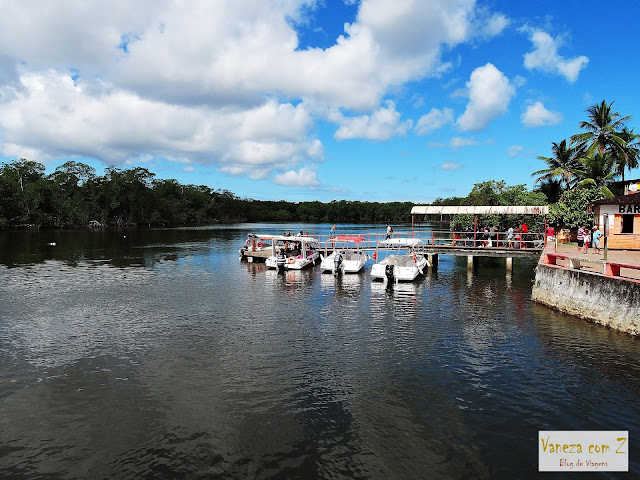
612 302
618 240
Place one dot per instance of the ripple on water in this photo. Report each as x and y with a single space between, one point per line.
186 363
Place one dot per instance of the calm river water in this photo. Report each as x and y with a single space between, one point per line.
157 354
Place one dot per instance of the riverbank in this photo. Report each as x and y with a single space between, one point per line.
585 291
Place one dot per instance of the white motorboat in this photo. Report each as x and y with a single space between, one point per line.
347 256
256 243
292 252
399 267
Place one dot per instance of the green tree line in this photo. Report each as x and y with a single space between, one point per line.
74 196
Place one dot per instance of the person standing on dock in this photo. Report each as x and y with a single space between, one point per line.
389 232
493 233
587 239
597 234
333 229
580 238
551 234
525 230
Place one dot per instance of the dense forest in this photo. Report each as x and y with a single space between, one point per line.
74 196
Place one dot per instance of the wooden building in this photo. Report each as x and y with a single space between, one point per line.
619 220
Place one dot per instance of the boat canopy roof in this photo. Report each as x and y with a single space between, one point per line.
480 210
400 242
349 238
284 238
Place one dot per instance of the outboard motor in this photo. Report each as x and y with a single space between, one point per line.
389 273
337 263
280 261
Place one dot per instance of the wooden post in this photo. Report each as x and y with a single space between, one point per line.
475 230
509 265
433 260
470 263
545 230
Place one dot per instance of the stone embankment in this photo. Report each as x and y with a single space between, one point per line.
610 301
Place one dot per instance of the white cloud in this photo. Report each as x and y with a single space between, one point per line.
536 115
489 95
458 142
545 57
515 150
433 120
496 24
53 117
519 81
305 177
381 125
450 166
219 83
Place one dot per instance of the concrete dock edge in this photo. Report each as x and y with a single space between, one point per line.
612 302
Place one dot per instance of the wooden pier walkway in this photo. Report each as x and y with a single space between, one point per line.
430 244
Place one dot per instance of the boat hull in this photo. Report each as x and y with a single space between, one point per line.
406 268
351 263
294 263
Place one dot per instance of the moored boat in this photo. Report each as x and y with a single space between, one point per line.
400 267
292 252
347 256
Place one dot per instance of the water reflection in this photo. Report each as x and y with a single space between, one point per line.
184 362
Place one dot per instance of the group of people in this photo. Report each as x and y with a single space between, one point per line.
289 234
515 236
586 237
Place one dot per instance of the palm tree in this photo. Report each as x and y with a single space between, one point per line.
562 165
597 170
552 189
605 132
630 153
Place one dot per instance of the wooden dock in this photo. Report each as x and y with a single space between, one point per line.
431 246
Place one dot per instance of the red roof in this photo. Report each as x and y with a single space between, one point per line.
350 238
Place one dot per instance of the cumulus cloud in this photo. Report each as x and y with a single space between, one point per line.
381 125
433 120
305 177
545 57
220 83
56 117
536 115
489 95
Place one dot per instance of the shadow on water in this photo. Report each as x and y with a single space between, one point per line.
119 248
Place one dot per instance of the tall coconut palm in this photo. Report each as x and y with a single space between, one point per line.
630 152
604 133
597 170
561 165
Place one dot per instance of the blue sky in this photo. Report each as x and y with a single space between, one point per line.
372 100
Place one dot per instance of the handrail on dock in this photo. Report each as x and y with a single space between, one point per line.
434 238
574 262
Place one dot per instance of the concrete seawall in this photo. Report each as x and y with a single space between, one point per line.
612 302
